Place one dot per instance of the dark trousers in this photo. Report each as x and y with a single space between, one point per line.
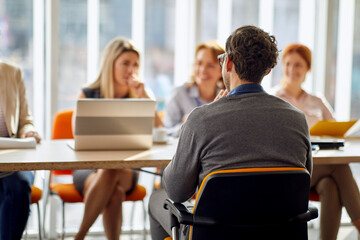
15 191
160 226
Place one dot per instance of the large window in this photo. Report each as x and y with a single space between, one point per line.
16 40
208 20
244 12
72 51
159 47
331 53
115 20
355 84
286 26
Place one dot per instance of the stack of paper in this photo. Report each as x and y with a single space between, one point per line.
354 131
11 143
336 129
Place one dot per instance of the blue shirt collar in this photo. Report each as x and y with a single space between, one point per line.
246 88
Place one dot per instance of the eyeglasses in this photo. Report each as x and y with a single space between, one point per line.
221 58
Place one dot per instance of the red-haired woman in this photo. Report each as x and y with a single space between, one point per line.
335 184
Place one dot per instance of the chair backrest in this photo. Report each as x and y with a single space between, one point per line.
62 125
62 130
253 203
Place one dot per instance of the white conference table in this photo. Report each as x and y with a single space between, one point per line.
350 153
57 155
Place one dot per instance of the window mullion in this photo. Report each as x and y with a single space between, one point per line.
344 59
93 39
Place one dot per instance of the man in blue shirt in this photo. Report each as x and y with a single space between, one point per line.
243 128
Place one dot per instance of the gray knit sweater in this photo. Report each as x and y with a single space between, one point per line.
238 131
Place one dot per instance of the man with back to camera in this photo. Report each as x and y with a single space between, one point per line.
244 127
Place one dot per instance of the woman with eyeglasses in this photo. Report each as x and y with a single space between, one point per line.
335 184
204 85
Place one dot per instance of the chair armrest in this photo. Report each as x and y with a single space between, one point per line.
310 214
179 211
313 212
185 217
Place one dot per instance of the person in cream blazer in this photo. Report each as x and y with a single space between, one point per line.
15 122
13 102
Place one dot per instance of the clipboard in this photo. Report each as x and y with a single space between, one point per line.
331 128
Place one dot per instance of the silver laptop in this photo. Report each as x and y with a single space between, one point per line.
114 124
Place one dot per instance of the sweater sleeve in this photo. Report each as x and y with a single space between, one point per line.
180 178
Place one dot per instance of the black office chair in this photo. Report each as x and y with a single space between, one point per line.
252 203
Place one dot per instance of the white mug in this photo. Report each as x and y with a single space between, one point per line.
159 134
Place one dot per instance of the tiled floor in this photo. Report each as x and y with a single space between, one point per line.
74 214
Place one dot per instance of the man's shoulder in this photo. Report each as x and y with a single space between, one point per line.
228 103
208 112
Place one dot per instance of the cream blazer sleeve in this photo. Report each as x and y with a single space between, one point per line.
13 99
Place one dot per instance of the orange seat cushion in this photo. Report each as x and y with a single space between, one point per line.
157 185
36 194
67 192
61 172
137 194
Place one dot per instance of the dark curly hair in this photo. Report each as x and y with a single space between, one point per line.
253 51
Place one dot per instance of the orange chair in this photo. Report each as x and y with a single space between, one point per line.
62 125
62 130
67 191
35 197
314 196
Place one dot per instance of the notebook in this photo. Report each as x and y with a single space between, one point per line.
114 124
317 144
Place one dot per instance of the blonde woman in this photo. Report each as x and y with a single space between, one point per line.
104 190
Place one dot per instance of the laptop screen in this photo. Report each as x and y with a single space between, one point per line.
114 124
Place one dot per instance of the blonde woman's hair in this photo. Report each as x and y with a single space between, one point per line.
215 49
105 79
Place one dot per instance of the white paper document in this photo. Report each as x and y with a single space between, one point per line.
354 131
11 143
